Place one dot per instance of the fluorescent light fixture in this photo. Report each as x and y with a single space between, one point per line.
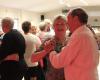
83 1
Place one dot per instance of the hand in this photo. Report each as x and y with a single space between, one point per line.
49 46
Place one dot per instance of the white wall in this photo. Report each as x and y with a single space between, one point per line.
92 16
50 15
21 15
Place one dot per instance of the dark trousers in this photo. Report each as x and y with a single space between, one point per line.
24 68
10 70
36 72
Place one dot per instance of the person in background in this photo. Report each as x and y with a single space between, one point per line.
57 42
49 26
12 51
80 57
1 36
43 32
32 43
34 30
95 35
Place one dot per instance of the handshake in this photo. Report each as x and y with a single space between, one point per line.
49 45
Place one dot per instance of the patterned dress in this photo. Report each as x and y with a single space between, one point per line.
51 72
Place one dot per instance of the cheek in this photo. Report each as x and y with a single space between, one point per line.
60 31
70 24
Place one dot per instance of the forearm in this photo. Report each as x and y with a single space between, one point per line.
38 56
55 60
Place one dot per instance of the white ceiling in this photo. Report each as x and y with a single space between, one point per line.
46 5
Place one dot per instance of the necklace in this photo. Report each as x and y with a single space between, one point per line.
61 41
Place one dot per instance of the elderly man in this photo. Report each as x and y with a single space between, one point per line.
11 51
80 57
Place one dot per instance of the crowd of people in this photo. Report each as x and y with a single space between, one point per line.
49 53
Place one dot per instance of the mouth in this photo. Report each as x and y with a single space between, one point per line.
60 30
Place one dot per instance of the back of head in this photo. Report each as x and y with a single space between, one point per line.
26 26
82 15
47 21
7 24
42 26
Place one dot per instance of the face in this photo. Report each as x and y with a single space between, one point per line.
73 22
33 30
5 27
70 22
60 27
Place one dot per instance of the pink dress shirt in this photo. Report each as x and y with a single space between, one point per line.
80 57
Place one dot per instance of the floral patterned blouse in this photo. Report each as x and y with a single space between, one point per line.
51 72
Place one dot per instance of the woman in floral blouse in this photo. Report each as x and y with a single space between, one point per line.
56 43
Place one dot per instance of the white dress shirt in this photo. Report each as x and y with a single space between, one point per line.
80 56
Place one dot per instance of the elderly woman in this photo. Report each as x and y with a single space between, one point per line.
59 41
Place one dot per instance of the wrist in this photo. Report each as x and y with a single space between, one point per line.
44 51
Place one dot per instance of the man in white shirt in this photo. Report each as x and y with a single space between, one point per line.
32 43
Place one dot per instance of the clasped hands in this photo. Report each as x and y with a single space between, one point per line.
49 45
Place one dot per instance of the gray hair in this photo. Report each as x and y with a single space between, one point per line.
42 26
47 21
59 16
9 21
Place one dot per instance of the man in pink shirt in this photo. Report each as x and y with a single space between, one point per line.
80 56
